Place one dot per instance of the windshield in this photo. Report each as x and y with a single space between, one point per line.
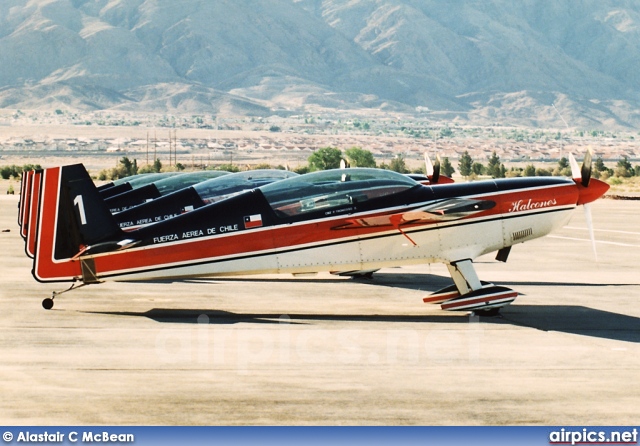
219 188
168 185
333 188
137 181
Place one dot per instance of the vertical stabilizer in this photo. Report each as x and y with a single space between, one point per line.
71 216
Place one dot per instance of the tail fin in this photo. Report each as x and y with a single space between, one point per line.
31 223
71 217
23 209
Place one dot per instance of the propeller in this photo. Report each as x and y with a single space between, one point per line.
581 173
433 171
583 176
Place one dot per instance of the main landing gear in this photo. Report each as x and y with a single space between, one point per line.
470 294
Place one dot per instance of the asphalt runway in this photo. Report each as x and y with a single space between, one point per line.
280 350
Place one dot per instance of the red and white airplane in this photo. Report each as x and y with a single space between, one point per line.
336 220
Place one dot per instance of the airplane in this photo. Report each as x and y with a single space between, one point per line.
219 185
132 182
129 192
196 196
335 220
155 189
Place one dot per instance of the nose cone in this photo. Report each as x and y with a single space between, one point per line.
595 190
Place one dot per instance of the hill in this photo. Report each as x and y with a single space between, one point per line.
476 61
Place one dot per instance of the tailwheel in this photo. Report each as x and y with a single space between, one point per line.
47 304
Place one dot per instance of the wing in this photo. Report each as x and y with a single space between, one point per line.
445 210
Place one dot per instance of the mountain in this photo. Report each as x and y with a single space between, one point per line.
477 61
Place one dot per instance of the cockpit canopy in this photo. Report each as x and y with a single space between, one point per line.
217 189
172 184
333 188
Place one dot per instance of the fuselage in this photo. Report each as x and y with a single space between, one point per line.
263 232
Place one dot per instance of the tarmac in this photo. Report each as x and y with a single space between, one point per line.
323 350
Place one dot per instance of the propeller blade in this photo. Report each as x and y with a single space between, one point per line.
436 170
585 171
428 166
575 169
589 219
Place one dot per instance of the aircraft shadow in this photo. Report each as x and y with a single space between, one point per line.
574 319
410 281
421 282
571 319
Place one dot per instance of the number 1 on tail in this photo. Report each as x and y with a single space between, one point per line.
80 203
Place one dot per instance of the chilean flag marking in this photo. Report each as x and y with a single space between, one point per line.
253 221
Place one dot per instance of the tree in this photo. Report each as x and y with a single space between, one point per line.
493 168
127 167
228 168
398 165
478 169
465 165
360 157
301 170
446 132
599 165
563 169
624 169
446 168
543 173
157 165
530 170
325 158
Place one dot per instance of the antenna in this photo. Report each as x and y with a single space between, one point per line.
565 122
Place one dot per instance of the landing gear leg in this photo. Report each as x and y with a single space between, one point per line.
47 303
470 294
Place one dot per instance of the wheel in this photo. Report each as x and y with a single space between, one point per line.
491 312
47 304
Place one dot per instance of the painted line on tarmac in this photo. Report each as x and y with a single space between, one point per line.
597 241
602 230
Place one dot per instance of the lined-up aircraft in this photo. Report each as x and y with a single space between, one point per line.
337 220
167 206
132 182
196 196
156 189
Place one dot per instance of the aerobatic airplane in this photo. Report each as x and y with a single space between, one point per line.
176 194
196 196
336 220
156 189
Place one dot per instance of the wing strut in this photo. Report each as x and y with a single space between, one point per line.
464 276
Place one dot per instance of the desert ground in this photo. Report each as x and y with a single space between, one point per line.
279 350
